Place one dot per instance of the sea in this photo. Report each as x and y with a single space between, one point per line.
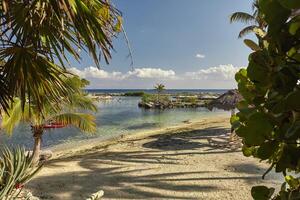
117 116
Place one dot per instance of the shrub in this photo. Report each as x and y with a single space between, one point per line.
269 117
16 169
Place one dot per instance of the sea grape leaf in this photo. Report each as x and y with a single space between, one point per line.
293 100
275 14
248 151
262 192
257 129
258 68
290 4
252 45
266 150
293 182
294 27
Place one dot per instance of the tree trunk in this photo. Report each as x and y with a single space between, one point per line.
37 135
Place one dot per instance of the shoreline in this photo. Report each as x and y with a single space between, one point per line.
77 147
189 161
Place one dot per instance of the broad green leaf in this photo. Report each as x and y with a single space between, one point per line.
275 14
293 182
293 100
294 27
252 45
248 151
266 150
290 4
262 192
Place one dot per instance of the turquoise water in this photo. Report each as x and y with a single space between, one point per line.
120 115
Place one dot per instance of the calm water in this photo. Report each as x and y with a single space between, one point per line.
120 115
168 91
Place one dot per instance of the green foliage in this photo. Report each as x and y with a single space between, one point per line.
135 94
16 169
38 37
256 21
159 88
147 98
67 112
192 100
269 117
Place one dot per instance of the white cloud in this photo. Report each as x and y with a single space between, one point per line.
222 72
198 55
212 77
149 73
94 72
152 73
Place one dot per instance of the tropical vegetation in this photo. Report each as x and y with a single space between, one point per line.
37 38
268 120
159 89
16 169
68 112
255 21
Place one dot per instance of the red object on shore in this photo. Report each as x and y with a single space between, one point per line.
54 125
19 186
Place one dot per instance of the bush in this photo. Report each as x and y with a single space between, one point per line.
134 94
269 117
16 169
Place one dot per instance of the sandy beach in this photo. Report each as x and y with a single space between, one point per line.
192 161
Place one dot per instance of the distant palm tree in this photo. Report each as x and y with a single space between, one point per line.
159 89
68 112
255 21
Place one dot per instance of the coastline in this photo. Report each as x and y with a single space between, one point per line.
78 147
190 161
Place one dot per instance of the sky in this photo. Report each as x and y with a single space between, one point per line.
183 44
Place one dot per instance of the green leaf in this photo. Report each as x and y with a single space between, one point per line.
294 27
293 182
266 150
248 151
262 192
275 14
252 45
290 4
258 69
293 100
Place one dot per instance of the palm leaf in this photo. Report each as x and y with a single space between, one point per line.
84 122
242 17
247 30
38 36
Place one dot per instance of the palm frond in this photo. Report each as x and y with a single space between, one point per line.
84 122
82 102
242 17
13 117
30 76
247 30
15 114
37 38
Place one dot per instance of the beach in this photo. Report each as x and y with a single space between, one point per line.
189 161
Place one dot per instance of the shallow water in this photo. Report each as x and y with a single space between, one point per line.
120 115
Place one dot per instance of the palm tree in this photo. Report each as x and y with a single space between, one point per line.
37 38
159 89
68 112
256 21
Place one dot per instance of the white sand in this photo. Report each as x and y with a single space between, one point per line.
177 163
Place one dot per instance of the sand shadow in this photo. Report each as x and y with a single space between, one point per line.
134 175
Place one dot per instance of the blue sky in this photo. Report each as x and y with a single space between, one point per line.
183 44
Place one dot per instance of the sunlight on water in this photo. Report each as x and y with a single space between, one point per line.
118 116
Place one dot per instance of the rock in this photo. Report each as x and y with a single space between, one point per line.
46 155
